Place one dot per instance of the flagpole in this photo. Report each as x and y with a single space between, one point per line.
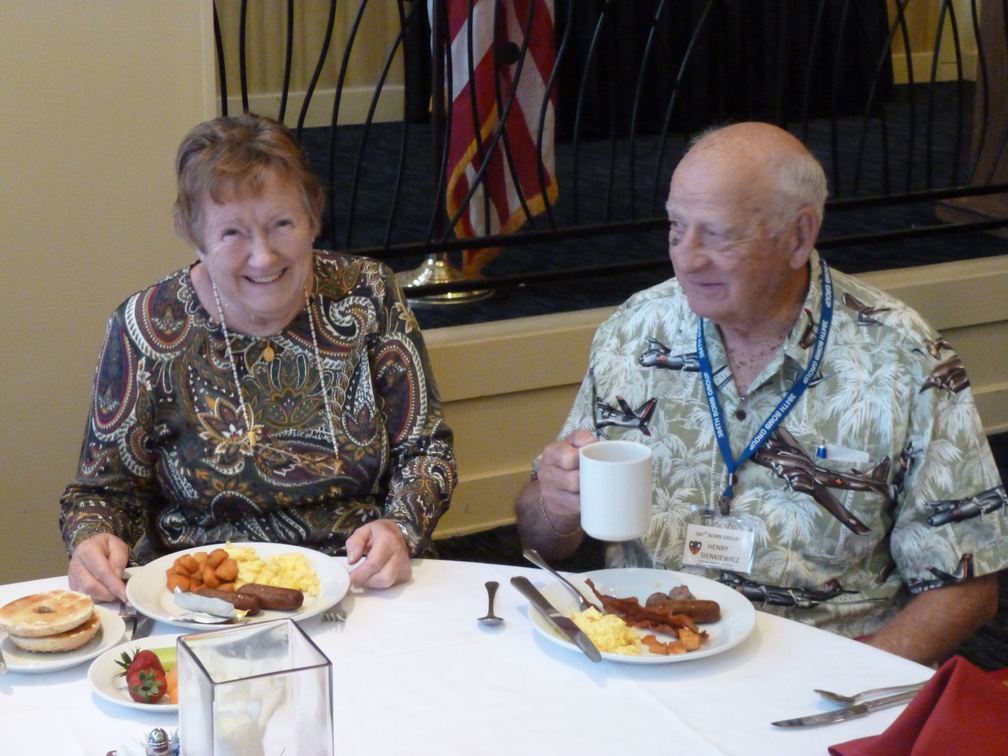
437 268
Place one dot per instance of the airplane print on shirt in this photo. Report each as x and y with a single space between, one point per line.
785 456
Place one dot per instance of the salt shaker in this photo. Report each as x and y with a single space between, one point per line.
159 744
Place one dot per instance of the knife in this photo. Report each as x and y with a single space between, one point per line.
564 624
129 618
142 626
848 712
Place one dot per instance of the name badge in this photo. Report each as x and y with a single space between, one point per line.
719 548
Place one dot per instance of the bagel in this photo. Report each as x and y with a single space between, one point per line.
65 641
44 614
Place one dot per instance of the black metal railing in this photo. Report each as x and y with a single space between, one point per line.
622 89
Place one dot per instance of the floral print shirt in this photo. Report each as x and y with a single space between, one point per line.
167 460
907 498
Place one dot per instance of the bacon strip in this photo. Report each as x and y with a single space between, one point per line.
648 618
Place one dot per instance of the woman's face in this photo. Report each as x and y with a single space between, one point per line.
257 248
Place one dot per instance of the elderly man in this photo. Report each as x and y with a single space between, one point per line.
814 423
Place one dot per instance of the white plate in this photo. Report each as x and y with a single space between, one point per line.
103 674
148 590
738 617
111 632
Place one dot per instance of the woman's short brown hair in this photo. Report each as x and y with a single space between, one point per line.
228 156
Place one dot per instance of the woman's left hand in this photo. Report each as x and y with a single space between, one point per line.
388 559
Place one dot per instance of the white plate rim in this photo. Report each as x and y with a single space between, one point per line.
738 616
103 671
147 589
29 662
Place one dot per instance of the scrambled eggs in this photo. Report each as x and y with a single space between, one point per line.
282 571
608 632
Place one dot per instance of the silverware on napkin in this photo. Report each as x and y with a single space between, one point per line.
564 624
848 712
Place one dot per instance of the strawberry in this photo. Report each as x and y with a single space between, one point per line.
147 685
145 676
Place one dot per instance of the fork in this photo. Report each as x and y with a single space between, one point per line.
334 613
583 603
858 697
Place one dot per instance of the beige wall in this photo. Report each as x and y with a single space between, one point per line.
94 99
266 41
922 19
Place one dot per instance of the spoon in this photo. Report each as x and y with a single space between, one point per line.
857 697
491 618
583 603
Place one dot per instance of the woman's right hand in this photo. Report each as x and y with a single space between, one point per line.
96 567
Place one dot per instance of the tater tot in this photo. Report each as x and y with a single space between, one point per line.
216 557
188 563
227 570
210 579
178 581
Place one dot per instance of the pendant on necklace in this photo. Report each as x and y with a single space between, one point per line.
268 354
252 436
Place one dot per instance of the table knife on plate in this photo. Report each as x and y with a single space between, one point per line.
564 624
848 712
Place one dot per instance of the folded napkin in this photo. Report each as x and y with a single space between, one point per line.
962 709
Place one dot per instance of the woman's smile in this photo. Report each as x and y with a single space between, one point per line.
266 279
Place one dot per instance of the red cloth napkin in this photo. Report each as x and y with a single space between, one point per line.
961 710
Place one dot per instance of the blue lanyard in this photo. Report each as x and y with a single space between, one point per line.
787 402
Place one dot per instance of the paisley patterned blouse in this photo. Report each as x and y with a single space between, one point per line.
167 460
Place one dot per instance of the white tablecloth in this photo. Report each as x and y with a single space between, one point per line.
415 673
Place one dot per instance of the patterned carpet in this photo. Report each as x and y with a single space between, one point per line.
987 648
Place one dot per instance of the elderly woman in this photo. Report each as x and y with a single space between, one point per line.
268 392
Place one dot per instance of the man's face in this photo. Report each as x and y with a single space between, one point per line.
726 243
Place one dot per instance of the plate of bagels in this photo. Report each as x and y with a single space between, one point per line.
55 630
288 581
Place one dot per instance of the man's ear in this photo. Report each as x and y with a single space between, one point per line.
806 233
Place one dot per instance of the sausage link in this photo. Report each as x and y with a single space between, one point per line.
243 602
271 597
699 610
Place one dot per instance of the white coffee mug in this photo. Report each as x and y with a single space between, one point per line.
616 490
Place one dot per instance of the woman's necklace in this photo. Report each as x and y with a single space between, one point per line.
252 434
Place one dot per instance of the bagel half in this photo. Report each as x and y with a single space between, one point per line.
65 641
46 614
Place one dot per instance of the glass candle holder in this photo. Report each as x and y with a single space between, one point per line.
262 689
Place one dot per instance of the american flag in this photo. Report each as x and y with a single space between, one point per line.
517 160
